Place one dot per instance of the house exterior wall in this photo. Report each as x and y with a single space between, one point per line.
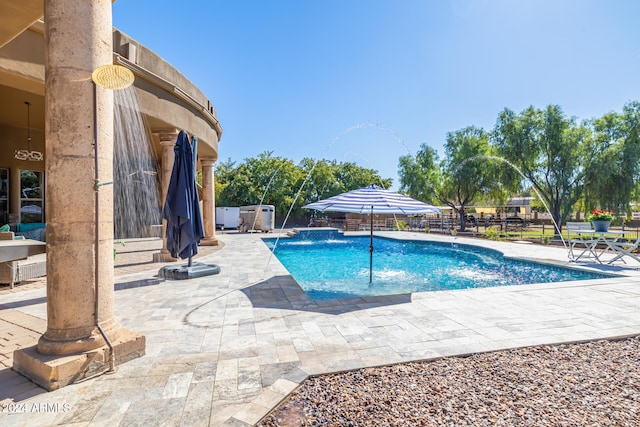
167 99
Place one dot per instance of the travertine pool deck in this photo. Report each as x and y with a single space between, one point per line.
226 349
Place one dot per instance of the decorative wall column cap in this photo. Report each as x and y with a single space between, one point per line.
166 136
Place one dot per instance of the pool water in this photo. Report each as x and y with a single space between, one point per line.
339 267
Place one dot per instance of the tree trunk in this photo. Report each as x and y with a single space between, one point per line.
557 218
463 220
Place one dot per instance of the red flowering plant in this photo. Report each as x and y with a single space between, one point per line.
601 215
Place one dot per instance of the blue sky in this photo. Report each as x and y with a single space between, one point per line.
368 81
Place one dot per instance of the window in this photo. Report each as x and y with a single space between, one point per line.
31 196
4 196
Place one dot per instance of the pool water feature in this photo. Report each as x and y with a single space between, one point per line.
334 266
136 184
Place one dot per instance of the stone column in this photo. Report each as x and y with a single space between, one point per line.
208 203
167 142
79 281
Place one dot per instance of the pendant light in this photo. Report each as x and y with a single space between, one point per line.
34 156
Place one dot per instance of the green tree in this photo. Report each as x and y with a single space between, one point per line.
351 177
614 171
224 173
278 181
420 175
465 172
330 178
552 152
265 178
322 181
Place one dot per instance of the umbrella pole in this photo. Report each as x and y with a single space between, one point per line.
371 248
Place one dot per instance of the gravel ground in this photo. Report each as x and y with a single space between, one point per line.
590 384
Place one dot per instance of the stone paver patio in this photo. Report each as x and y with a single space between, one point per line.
225 349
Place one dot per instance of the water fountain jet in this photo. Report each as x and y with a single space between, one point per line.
517 169
264 193
340 135
111 77
135 171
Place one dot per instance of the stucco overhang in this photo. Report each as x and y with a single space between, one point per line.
167 98
16 16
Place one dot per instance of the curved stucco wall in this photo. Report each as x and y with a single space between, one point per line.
167 98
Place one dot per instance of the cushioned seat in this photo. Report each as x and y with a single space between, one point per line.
34 231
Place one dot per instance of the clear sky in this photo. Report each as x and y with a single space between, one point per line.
368 81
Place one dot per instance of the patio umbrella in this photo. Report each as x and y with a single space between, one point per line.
182 208
372 200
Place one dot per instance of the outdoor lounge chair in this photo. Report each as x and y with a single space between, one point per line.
13 272
623 249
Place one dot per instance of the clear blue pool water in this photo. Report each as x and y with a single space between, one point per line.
339 267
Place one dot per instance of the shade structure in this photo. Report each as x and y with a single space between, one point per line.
373 200
182 208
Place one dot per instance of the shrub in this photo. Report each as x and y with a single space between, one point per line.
492 234
400 225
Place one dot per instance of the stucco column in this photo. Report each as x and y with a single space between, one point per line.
167 142
208 203
72 343
70 193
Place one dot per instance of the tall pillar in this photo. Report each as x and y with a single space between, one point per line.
80 291
167 142
208 203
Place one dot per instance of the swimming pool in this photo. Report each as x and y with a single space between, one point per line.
338 267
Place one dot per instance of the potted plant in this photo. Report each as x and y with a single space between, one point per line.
601 220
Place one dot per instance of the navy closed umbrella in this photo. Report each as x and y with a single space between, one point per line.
182 208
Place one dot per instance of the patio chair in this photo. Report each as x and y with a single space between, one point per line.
623 249
579 239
